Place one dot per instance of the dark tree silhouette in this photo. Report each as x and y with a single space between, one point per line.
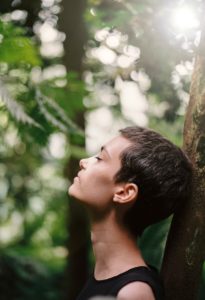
71 22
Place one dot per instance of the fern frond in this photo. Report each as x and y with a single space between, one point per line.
15 108
49 117
63 122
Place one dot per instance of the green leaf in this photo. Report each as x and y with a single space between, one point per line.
8 29
19 49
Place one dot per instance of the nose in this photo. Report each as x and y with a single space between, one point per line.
83 163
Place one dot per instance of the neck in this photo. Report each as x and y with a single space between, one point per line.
114 248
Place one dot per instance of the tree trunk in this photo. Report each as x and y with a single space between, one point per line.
185 248
72 24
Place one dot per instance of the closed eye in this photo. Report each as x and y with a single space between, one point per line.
98 158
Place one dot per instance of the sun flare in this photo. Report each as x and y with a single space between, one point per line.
184 18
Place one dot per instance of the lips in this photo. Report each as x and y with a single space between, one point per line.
78 175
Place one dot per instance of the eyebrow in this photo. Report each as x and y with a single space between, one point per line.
105 149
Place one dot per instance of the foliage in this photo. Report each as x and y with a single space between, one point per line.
16 48
26 279
35 114
32 189
162 49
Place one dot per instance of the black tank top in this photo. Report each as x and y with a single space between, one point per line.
111 286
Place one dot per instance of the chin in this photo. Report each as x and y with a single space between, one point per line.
70 190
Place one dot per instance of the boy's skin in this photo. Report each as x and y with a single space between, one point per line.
114 247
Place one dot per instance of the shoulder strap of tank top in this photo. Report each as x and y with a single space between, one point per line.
142 274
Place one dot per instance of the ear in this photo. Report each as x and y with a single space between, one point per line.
126 193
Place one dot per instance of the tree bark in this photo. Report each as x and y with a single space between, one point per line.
72 24
185 248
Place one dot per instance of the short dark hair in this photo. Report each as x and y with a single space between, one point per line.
161 170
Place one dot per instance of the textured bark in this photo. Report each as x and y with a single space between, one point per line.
71 22
185 248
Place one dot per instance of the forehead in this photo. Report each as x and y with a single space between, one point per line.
116 145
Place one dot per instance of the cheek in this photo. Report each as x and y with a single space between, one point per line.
93 189
97 187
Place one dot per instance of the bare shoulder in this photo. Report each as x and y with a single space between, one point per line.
136 290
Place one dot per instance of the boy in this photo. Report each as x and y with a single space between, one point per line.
137 179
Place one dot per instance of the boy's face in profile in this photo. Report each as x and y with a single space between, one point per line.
94 184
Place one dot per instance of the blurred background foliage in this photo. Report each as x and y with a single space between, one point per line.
137 65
